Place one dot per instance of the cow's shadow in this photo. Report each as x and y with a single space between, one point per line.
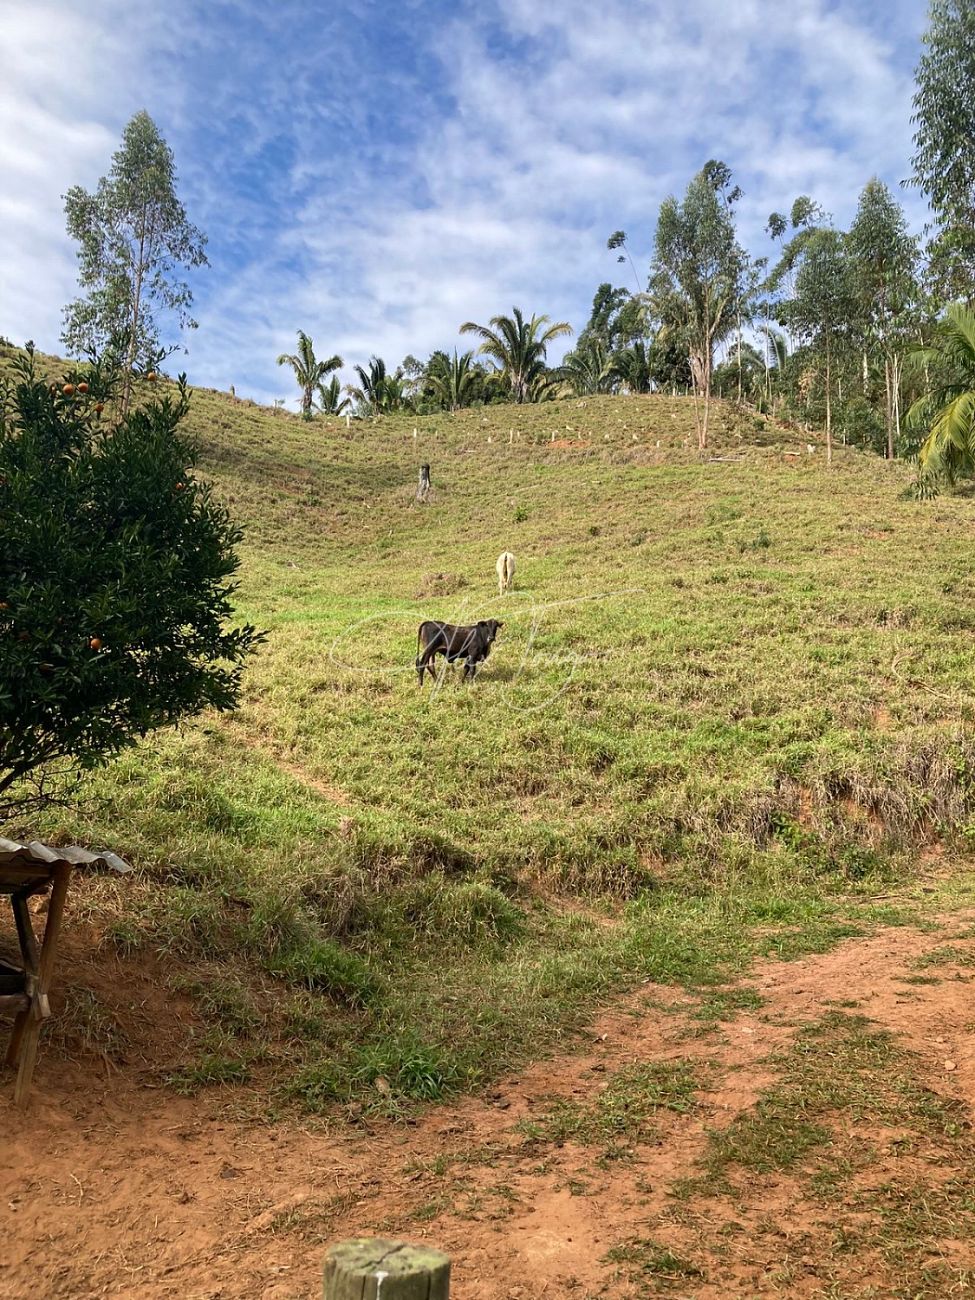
495 673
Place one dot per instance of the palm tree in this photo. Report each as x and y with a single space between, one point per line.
947 410
309 372
452 380
633 366
776 348
518 348
742 373
590 369
330 400
379 392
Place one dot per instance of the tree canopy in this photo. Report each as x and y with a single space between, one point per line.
697 281
116 580
518 347
309 372
134 238
944 140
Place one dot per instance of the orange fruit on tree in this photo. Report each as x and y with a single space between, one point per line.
68 390
82 388
99 407
95 643
151 376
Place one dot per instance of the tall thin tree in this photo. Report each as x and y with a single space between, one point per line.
697 279
308 370
133 237
883 257
823 310
944 141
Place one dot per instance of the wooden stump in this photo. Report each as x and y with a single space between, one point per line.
423 484
374 1269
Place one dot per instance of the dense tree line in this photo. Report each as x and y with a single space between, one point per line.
825 328
848 330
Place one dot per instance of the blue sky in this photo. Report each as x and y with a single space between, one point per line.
376 173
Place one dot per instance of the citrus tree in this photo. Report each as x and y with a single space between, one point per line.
116 579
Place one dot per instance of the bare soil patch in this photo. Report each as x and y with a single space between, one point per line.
585 1175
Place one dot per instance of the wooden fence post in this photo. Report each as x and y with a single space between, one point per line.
371 1268
423 484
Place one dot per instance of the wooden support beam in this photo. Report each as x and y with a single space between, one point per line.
25 933
39 966
372 1268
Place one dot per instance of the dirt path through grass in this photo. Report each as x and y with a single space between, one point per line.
805 1132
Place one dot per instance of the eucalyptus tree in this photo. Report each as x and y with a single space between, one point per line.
883 259
518 347
308 370
134 238
805 218
823 311
698 274
946 412
413 373
617 318
616 241
944 141
670 361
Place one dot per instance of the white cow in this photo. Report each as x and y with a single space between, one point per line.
506 572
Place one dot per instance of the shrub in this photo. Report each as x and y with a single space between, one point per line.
116 583
323 966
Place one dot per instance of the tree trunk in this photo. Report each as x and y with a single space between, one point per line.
829 412
136 305
888 409
697 389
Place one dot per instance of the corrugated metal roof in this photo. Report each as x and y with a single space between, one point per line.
24 855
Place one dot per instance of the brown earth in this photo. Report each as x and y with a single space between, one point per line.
113 1186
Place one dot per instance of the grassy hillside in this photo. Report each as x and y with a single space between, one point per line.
730 699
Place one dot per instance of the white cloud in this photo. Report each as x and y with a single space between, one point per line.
379 204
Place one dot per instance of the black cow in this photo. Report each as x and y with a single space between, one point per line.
472 644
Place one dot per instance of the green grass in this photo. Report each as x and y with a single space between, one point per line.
644 1259
729 701
945 955
624 1111
208 1071
723 1004
840 1069
877 1165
